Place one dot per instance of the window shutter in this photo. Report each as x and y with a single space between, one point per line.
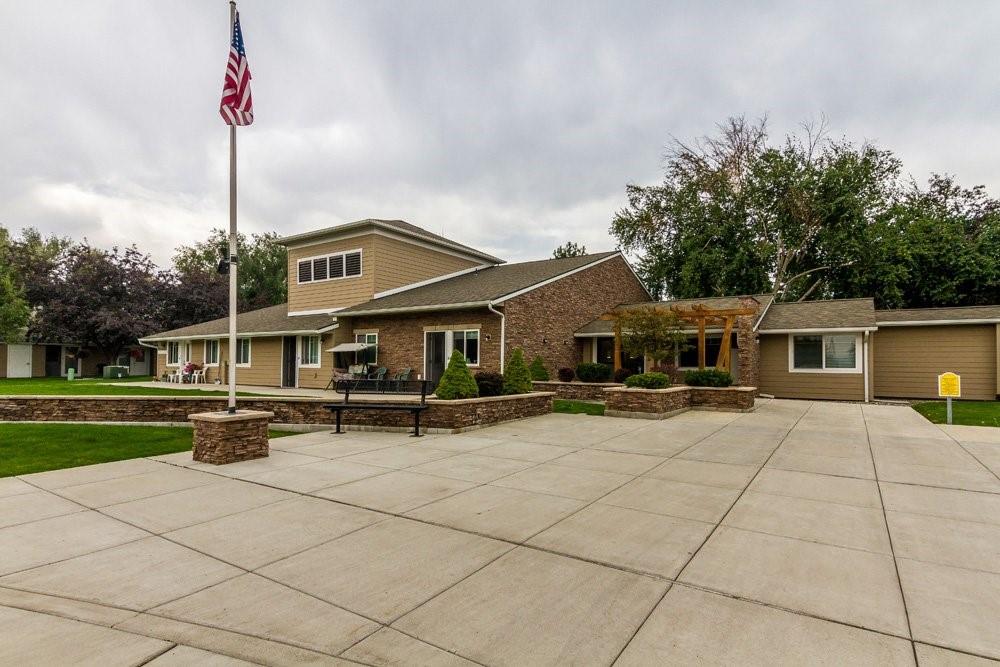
319 268
353 264
337 266
305 272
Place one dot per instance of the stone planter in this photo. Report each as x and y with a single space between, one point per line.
576 391
663 403
221 437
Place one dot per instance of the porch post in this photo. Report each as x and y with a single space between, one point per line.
618 346
701 343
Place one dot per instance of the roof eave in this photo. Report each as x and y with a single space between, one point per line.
931 323
415 309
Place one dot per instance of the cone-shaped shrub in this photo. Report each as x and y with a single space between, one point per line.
457 381
516 377
537 369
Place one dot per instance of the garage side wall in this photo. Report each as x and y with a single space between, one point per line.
909 360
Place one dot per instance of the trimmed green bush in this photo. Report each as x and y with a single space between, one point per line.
489 383
648 381
516 377
588 372
710 377
537 369
457 381
622 373
566 374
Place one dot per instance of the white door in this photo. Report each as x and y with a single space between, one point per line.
18 361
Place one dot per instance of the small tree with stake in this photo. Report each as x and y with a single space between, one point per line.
649 331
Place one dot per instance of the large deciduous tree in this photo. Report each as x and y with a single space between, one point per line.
809 218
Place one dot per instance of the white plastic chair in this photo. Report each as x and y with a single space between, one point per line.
198 376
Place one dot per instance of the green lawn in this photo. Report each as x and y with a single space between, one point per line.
968 413
26 448
96 387
577 407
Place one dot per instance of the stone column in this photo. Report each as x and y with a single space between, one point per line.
220 437
749 344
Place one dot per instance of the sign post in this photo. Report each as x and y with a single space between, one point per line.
949 386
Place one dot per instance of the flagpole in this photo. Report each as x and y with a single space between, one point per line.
233 284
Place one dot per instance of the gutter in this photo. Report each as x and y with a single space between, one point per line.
933 323
503 331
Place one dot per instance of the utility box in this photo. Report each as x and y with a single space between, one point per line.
116 371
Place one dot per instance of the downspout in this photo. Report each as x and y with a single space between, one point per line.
503 331
866 368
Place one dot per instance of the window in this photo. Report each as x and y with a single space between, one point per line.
824 353
330 267
242 351
310 351
369 355
211 353
467 342
173 353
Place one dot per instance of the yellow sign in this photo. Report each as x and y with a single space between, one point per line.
949 385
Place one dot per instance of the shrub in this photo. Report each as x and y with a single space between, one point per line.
516 377
566 374
537 369
710 377
489 383
648 381
457 381
588 372
622 373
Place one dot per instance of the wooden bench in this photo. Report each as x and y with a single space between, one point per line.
382 388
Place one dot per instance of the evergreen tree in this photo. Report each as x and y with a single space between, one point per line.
516 377
457 381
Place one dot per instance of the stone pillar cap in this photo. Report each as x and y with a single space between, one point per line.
224 416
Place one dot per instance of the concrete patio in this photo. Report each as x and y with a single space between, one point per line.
801 533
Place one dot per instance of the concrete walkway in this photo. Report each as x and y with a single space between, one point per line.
801 533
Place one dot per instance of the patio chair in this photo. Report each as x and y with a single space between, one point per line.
198 376
379 374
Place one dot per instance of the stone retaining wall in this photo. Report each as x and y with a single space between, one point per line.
577 391
443 415
662 403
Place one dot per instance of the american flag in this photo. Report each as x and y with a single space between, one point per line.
237 103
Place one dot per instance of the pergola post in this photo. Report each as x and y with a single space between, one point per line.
701 343
618 346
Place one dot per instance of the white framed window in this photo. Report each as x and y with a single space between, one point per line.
211 352
243 352
335 266
173 353
824 353
466 342
310 351
369 355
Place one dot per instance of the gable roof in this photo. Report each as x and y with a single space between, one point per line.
396 226
601 327
272 320
954 315
819 315
479 287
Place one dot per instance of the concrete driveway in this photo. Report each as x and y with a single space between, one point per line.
802 533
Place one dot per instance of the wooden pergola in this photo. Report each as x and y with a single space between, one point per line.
702 316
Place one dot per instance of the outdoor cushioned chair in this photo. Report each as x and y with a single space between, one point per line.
379 374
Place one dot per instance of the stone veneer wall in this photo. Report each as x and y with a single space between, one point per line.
577 391
228 441
661 403
554 312
445 415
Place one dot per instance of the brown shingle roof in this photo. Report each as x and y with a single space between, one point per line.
832 314
400 226
902 315
605 327
478 287
274 319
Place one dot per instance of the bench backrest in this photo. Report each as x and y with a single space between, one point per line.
373 386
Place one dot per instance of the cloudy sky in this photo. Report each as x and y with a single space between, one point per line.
512 126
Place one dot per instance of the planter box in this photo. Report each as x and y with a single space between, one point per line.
663 403
441 416
576 391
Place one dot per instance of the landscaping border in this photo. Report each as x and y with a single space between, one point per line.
576 391
440 416
663 403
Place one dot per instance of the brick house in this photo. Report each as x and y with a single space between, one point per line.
408 297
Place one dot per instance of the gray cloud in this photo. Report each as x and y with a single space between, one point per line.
511 126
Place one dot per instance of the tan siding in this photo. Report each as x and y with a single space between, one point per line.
265 362
586 349
332 293
910 359
399 263
777 381
37 361
317 378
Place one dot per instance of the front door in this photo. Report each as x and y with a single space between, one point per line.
288 361
53 361
434 360
18 361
